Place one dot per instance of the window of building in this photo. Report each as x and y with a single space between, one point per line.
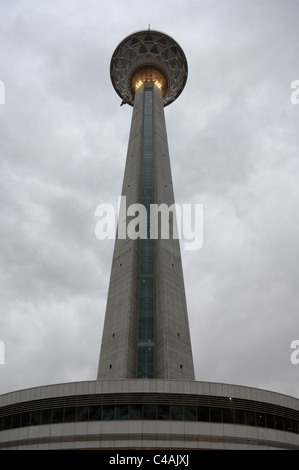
149 412
203 413
108 412
136 411
122 412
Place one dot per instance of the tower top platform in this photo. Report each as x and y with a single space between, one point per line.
148 56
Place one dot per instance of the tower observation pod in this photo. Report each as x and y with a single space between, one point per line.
146 330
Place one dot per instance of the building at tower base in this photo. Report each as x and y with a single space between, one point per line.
148 414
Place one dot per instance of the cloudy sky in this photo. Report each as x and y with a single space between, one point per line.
234 146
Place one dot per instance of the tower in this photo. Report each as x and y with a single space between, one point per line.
146 332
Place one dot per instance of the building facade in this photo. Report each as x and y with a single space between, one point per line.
148 414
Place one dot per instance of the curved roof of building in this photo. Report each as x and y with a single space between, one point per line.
147 414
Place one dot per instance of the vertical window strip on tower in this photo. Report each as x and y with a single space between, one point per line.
146 350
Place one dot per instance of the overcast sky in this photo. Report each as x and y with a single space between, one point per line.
234 146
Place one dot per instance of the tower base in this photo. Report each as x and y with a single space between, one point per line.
148 414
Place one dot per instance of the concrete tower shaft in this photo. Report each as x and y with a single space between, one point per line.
146 331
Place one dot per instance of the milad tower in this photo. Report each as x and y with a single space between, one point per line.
145 395
146 331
